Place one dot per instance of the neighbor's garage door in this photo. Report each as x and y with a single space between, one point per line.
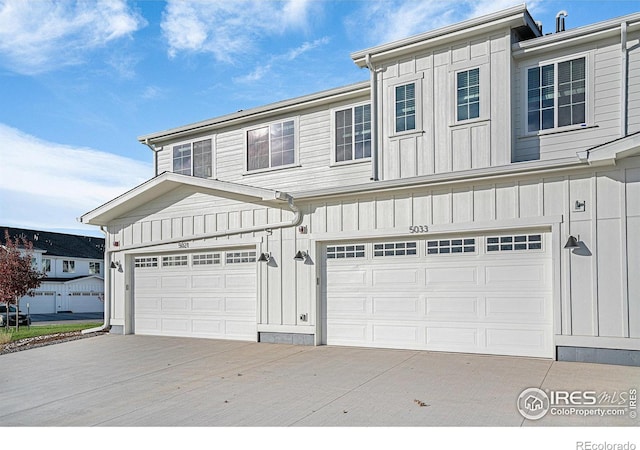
479 294
205 294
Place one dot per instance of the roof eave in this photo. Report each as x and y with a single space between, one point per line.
512 17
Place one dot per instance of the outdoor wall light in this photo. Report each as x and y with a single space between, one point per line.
264 257
115 265
572 243
301 256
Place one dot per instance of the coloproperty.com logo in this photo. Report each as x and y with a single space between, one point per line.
534 403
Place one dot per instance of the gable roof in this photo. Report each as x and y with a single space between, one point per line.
166 182
59 244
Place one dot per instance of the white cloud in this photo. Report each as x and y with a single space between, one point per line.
386 21
41 35
231 28
55 183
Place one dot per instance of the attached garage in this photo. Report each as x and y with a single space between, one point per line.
210 294
489 293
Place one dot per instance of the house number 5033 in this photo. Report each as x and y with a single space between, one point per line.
418 228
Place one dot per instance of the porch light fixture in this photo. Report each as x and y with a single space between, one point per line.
572 243
264 257
115 265
301 256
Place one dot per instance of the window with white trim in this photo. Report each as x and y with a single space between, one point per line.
345 251
146 261
194 158
450 246
46 265
175 261
353 133
94 267
206 259
556 95
468 94
512 243
395 249
69 266
271 146
240 257
405 107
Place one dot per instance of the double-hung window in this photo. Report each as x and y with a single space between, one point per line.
405 100
556 95
194 159
68 266
271 146
353 133
468 98
94 267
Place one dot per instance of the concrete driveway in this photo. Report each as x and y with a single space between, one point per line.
112 380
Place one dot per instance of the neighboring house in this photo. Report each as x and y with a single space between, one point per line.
428 208
74 269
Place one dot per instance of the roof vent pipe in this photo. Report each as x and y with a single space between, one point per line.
560 20
539 25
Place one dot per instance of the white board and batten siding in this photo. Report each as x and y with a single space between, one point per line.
487 294
209 294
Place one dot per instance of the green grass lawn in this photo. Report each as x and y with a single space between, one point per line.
41 330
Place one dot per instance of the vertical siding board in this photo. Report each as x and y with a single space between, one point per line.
633 248
289 270
462 205
483 203
480 147
421 208
402 211
441 207
461 149
506 199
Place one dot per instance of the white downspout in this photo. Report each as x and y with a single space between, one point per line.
374 118
107 288
624 70
155 151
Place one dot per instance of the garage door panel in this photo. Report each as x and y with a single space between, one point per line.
448 275
207 304
399 335
521 309
175 325
239 281
240 305
521 275
453 308
213 327
459 338
408 277
148 283
527 342
348 305
173 304
344 333
354 277
207 281
147 303
172 282
392 306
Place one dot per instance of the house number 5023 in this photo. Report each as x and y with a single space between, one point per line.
418 228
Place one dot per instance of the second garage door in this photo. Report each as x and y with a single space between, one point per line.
205 294
476 293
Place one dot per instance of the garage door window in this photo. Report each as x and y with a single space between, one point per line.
345 251
240 257
206 259
512 243
146 262
175 261
395 249
449 246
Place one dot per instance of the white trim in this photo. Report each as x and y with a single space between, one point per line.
417 80
191 142
597 342
353 160
297 329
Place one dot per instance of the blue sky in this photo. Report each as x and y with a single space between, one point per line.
81 80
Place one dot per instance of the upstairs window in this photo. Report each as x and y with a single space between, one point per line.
69 266
468 94
94 267
193 159
405 99
46 265
556 95
353 133
271 146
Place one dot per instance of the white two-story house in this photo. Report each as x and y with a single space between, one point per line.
480 193
73 266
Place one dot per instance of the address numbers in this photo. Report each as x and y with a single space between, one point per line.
419 229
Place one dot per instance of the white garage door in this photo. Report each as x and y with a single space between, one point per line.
206 294
478 294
